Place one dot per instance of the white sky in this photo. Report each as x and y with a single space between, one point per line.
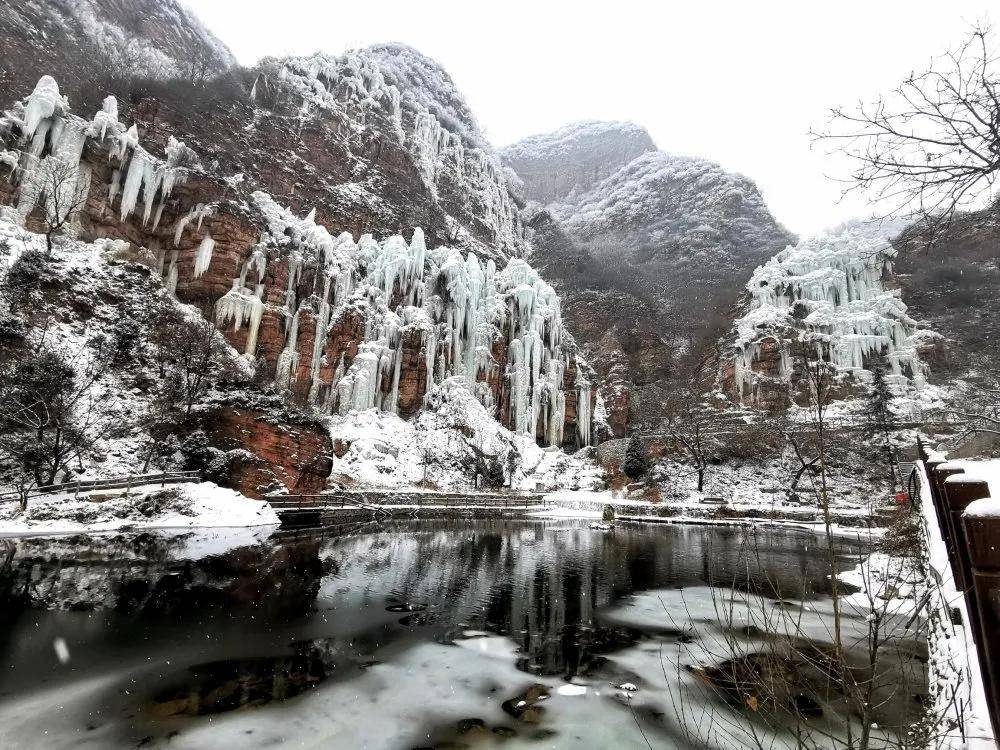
737 82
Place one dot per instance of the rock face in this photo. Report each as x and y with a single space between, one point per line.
617 322
292 457
343 322
831 297
657 245
951 288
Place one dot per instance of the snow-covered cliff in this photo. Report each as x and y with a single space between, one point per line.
829 297
409 100
346 323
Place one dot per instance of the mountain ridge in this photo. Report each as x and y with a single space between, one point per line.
674 237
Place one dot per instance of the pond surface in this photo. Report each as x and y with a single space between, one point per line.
443 634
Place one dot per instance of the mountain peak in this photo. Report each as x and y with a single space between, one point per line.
579 136
575 157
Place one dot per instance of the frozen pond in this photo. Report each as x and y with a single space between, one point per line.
443 634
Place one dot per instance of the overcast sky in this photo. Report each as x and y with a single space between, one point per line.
737 82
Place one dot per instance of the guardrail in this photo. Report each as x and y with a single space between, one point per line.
971 544
113 483
369 500
311 502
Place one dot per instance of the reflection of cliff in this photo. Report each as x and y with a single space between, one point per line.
541 585
544 587
148 574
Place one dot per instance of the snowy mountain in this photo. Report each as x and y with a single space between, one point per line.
676 236
385 135
575 158
86 41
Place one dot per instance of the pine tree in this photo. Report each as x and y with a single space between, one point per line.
879 403
883 421
635 464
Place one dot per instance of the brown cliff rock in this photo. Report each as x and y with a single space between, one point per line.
294 455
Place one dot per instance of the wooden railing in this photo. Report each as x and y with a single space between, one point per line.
113 483
313 502
369 500
974 555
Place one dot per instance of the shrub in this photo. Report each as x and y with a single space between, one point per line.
635 464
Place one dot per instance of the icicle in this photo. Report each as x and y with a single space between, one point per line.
203 258
172 273
138 168
43 103
288 360
106 117
242 309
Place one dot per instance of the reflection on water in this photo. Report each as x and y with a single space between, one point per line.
400 635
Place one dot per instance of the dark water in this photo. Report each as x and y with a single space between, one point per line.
427 634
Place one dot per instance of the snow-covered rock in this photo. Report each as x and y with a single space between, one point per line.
440 448
197 505
573 159
497 323
161 38
394 88
830 296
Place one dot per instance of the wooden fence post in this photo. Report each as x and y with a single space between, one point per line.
982 532
941 474
931 465
960 491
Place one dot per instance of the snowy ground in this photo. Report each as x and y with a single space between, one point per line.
185 506
438 449
851 521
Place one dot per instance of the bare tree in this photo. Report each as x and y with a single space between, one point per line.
64 193
979 410
796 441
693 427
931 146
839 680
789 688
162 410
191 350
197 69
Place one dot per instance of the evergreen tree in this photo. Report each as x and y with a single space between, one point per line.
635 464
883 421
879 403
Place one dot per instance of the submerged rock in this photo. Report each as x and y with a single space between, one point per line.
524 706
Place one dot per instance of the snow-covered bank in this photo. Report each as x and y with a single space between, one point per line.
590 504
186 506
